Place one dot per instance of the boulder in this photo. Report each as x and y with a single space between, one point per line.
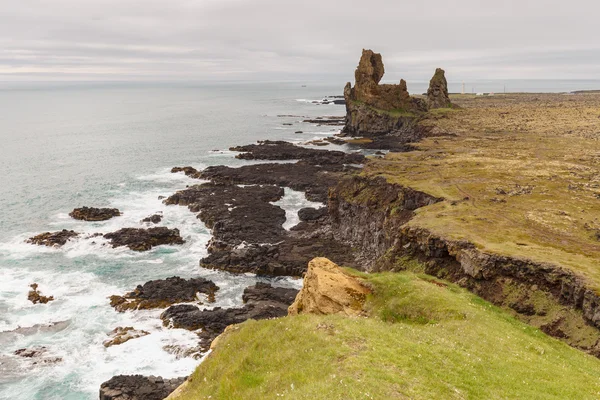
121 335
94 214
312 214
35 296
138 387
189 171
266 292
437 94
53 239
153 219
162 293
327 289
138 239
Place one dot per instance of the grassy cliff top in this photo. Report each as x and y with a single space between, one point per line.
521 176
424 339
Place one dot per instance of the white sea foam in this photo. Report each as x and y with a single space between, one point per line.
291 203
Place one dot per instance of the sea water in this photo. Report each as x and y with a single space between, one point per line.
104 145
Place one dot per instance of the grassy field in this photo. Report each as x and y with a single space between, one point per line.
423 339
521 175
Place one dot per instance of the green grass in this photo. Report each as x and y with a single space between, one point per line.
424 339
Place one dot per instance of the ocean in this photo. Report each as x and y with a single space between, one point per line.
112 145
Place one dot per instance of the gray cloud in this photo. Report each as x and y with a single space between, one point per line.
277 39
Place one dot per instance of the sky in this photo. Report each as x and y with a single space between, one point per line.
217 40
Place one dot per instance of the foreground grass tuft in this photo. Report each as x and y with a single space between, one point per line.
425 339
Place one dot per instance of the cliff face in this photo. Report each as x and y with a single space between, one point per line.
373 109
373 215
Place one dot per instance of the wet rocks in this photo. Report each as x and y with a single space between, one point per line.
280 150
153 219
31 352
121 335
327 289
437 94
36 297
262 302
138 387
38 355
189 171
138 239
53 239
163 293
94 214
236 214
314 180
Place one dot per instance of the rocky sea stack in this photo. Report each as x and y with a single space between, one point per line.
374 109
94 214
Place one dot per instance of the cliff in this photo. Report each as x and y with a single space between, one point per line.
374 109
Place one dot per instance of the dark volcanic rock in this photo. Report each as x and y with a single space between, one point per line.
138 387
38 355
31 352
266 292
154 219
314 180
279 150
262 302
288 258
55 239
144 239
236 214
189 171
94 214
35 296
328 121
162 293
312 214
437 94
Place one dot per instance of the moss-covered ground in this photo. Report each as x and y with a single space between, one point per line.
423 339
520 174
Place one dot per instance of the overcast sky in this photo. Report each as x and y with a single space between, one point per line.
308 39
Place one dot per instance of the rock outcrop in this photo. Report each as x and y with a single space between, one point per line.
374 109
121 335
53 239
94 214
437 94
328 289
280 150
138 387
138 239
153 219
262 302
162 293
35 296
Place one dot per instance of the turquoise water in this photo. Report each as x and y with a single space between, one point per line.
114 146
